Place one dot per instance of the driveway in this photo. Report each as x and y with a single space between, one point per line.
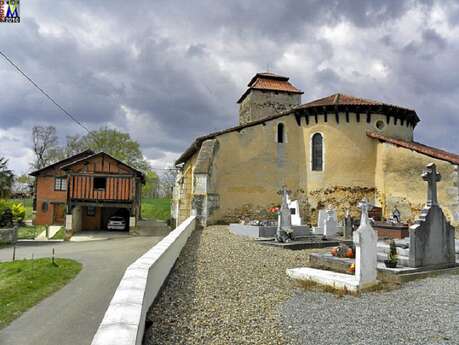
71 315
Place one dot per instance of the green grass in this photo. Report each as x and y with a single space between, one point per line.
28 232
156 208
28 208
59 235
25 283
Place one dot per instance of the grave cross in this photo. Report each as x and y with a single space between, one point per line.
432 177
365 206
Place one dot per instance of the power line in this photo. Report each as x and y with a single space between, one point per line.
44 93
73 118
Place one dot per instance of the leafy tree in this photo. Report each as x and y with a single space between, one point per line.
6 178
150 190
24 178
45 146
111 141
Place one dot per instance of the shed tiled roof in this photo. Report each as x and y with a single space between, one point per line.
101 153
270 82
418 147
63 162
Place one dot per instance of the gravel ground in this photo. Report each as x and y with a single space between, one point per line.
224 289
421 312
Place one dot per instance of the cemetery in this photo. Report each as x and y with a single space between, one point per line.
227 277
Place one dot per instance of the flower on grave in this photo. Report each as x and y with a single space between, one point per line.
274 209
351 268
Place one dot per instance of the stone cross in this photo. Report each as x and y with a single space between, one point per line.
364 206
432 177
365 240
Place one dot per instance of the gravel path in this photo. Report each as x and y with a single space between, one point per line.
421 312
224 289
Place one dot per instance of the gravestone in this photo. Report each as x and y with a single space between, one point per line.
323 214
366 241
284 225
294 207
330 224
432 236
347 225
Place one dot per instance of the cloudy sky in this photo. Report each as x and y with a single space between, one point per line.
169 71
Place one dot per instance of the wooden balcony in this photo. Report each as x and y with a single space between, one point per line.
101 187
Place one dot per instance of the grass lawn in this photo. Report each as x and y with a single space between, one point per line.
28 207
59 235
156 208
27 232
24 283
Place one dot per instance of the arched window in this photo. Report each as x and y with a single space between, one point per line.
317 152
280 133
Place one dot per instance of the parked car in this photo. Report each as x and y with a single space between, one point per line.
116 223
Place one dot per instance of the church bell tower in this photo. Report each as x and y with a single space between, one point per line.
267 94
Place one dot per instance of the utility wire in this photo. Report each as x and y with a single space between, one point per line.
45 93
73 118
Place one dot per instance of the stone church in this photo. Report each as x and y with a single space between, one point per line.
330 151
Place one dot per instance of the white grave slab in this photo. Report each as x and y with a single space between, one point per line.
295 215
365 239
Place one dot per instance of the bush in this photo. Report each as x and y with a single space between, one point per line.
392 252
19 212
10 213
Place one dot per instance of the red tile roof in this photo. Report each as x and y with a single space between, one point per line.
418 147
341 99
271 82
62 162
268 75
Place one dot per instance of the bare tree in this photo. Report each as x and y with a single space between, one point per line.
167 182
45 146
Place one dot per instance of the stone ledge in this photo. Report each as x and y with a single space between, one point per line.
124 320
339 281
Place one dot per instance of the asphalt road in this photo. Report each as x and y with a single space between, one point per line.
72 315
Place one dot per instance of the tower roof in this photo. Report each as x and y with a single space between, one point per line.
270 82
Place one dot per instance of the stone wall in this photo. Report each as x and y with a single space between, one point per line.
399 183
124 320
260 104
249 167
8 236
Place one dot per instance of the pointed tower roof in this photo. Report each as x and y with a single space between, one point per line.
270 82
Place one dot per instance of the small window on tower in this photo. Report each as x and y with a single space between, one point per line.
100 182
280 133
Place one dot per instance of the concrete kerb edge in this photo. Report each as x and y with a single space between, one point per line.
137 290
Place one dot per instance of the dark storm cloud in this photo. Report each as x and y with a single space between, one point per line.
169 71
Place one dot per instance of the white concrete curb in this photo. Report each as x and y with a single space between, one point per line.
124 320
